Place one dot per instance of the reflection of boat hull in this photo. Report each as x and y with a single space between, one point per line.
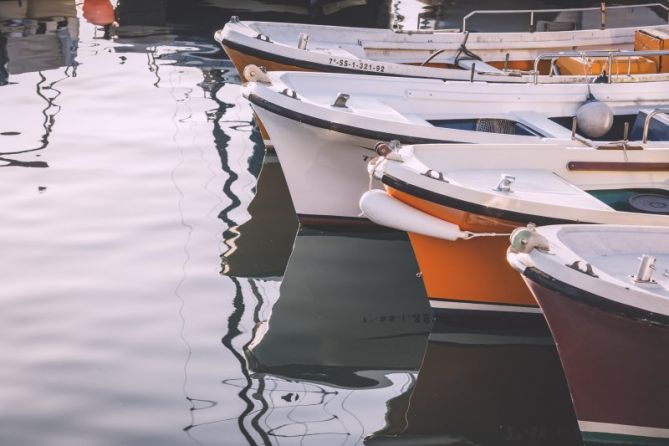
328 317
488 388
263 250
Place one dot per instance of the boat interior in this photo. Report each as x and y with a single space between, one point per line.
640 28
617 252
582 178
648 125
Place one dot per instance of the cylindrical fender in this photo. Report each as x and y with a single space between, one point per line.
385 210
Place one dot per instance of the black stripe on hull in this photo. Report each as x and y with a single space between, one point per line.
473 208
309 65
334 126
593 300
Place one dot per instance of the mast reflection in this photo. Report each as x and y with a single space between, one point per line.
36 36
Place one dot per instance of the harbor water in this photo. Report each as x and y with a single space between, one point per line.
156 288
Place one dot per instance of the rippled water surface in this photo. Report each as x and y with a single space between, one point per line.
146 293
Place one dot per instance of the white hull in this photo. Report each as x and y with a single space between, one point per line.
323 149
326 172
382 51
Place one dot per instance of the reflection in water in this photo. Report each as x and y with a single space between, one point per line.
481 387
449 14
265 241
119 327
349 302
35 37
333 351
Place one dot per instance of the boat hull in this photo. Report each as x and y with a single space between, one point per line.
447 266
240 59
326 171
616 364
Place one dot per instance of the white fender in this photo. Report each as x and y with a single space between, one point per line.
385 210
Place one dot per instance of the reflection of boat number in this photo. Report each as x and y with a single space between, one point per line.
357 65
418 318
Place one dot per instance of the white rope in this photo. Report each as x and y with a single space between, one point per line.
471 235
373 164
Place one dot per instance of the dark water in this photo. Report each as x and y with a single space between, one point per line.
146 293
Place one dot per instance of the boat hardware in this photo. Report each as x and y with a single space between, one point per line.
610 55
646 123
382 149
432 56
588 268
645 271
341 100
505 183
263 37
626 131
254 73
525 239
650 203
303 41
532 12
290 93
234 19
471 76
618 166
435 175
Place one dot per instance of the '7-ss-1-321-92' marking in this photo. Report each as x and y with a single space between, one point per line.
357 65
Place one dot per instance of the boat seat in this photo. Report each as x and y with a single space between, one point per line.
594 66
658 130
653 40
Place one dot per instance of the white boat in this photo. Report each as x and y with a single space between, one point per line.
324 126
459 202
604 291
499 57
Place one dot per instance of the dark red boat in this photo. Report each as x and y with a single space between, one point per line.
604 291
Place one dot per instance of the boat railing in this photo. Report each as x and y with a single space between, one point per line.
610 55
649 118
534 12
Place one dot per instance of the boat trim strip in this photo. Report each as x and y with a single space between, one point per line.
335 126
594 431
593 300
307 64
472 306
470 207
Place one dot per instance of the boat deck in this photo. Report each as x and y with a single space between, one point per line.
538 185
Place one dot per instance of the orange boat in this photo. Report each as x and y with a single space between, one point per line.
459 216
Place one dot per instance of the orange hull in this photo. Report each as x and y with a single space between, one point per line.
470 271
241 60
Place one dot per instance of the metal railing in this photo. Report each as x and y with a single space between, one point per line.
533 12
646 123
610 55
